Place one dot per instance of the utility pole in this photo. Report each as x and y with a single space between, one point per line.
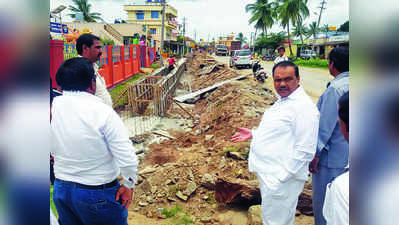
184 34
163 27
323 2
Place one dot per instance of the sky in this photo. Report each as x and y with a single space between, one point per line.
212 18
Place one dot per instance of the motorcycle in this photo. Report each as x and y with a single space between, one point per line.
259 72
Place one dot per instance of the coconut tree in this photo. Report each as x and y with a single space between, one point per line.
289 11
313 31
263 14
300 29
240 37
83 7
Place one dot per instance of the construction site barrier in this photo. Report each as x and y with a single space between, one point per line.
152 95
117 63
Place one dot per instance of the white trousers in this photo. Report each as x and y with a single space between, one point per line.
279 201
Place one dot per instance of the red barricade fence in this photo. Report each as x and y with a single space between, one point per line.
117 63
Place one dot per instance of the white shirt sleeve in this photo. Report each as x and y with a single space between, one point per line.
117 138
336 203
101 90
306 126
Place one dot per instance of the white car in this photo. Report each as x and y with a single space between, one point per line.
308 54
241 58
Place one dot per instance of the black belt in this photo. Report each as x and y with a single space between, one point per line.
95 187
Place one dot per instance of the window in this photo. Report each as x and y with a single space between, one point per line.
155 14
153 30
140 15
243 53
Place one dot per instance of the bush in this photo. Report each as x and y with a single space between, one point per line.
155 66
172 212
118 89
105 41
314 63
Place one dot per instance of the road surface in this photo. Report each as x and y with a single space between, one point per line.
313 80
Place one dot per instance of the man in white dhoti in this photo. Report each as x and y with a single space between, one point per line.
282 146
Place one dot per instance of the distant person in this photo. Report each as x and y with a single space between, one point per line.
172 63
332 152
91 149
336 204
89 46
281 57
282 146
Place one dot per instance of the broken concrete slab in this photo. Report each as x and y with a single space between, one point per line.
147 170
191 187
255 215
235 155
181 196
193 95
208 181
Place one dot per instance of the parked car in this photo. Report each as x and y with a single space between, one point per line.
308 54
221 50
241 58
232 53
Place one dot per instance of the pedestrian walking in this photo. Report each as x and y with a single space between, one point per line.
91 148
172 63
89 46
336 204
281 57
282 146
332 149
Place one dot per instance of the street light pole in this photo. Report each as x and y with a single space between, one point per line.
163 28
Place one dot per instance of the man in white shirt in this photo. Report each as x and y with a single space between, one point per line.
282 146
91 147
336 203
281 57
89 46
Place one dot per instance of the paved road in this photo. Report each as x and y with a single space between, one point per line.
313 80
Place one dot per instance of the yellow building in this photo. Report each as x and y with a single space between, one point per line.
226 40
150 15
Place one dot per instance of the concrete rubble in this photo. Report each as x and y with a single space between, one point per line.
198 168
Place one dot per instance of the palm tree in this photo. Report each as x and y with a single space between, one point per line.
290 11
300 30
240 37
82 6
263 13
313 31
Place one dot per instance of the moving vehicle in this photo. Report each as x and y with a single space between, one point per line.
241 58
221 50
308 54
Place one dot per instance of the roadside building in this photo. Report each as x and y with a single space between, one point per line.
149 16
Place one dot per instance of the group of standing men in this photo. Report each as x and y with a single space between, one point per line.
92 146
295 136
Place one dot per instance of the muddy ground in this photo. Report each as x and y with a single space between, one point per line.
177 175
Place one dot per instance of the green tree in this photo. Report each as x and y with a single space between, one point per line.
263 14
300 30
240 37
289 12
313 31
273 41
344 27
82 6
